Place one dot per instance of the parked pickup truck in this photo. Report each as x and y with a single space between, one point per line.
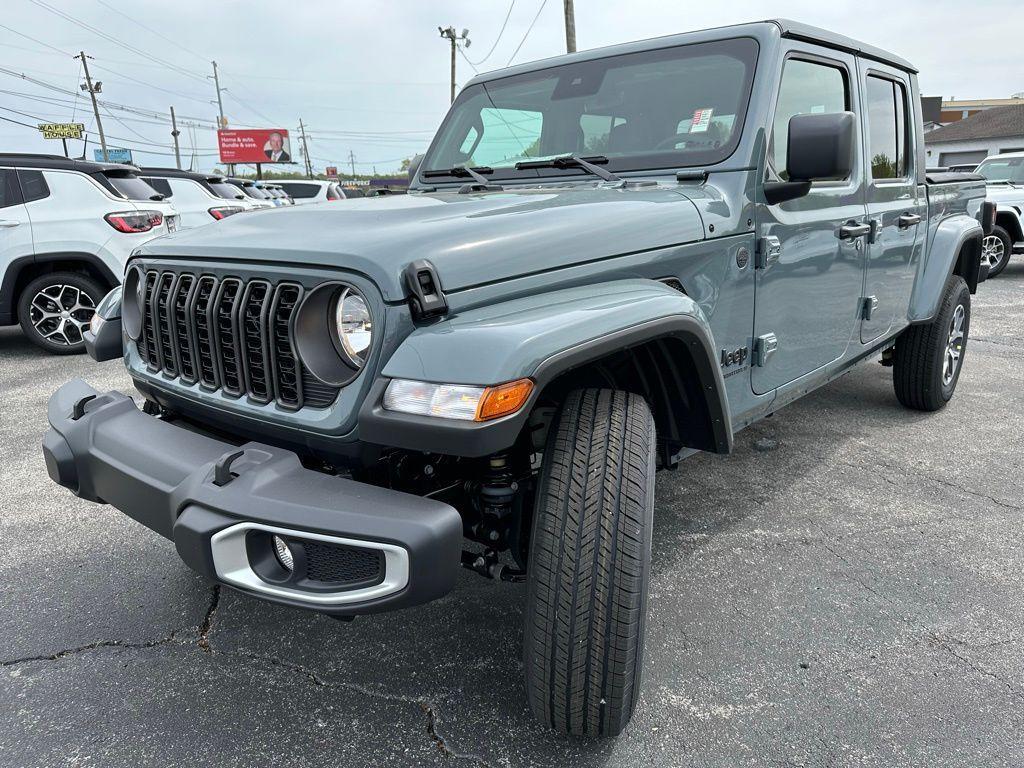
607 262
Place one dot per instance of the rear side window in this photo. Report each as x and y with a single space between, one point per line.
807 87
132 187
887 128
33 185
160 185
225 190
10 194
303 190
351 192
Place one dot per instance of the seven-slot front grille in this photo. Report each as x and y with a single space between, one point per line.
228 334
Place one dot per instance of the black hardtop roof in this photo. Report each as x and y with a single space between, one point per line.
793 30
177 173
33 160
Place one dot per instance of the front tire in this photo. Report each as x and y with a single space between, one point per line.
55 309
589 564
996 248
928 358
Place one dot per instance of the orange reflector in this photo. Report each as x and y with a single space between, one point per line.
504 399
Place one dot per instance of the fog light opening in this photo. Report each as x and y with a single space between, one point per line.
284 554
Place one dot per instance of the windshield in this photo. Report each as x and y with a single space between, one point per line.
225 190
667 108
1009 169
132 187
254 192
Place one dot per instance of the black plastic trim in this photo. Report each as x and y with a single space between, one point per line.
162 476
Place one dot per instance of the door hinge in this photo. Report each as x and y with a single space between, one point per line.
764 348
768 250
868 305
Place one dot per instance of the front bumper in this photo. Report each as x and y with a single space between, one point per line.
220 503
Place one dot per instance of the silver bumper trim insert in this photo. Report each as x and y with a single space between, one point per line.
231 561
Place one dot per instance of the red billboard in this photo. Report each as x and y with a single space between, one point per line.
254 145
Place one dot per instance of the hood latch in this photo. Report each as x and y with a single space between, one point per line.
426 297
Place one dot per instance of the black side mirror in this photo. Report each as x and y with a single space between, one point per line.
819 148
414 166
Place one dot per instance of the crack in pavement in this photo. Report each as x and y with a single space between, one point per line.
973 665
92 647
207 623
426 706
927 477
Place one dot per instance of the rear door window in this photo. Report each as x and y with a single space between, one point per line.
160 185
10 193
303 190
225 190
132 187
887 128
33 185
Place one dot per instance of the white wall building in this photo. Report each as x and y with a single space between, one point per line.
971 140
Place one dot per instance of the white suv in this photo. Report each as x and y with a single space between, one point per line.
1004 175
194 195
253 193
67 227
304 191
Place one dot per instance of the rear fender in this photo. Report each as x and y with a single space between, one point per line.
955 247
541 337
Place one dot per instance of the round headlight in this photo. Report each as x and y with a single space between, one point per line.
354 325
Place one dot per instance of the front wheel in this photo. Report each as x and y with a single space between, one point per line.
589 564
54 310
928 358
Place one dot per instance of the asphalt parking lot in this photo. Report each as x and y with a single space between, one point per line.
846 589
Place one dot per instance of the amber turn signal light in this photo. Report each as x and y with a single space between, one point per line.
504 399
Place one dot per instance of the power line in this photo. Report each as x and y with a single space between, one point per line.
497 40
528 30
116 41
176 43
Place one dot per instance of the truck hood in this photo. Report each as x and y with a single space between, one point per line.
471 239
1004 194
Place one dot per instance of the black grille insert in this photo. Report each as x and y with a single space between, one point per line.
337 564
228 334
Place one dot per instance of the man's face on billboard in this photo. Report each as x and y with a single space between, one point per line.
276 142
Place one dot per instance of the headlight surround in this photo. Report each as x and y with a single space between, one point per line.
353 325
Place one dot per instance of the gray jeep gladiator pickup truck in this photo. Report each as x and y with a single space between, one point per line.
607 261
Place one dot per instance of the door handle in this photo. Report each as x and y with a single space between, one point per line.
9 224
851 230
908 220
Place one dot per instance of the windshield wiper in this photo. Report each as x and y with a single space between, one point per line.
572 161
464 170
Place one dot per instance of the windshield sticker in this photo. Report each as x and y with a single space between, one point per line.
701 120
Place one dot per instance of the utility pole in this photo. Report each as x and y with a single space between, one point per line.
93 90
352 164
175 133
221 122
305 151
455 39
570 27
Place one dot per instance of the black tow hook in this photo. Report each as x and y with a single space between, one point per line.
487 565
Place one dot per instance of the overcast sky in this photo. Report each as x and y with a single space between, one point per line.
372 77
